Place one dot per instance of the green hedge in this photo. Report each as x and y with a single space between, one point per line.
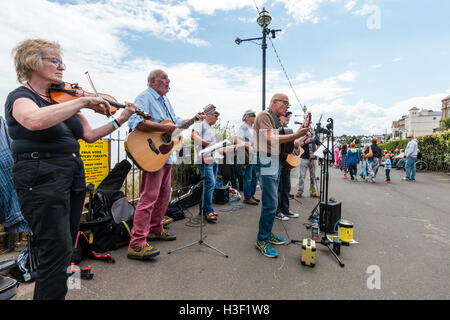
394 144
435 149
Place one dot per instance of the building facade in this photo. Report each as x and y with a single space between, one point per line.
418 122
445 108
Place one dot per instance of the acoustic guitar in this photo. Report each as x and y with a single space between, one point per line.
293 157
150 150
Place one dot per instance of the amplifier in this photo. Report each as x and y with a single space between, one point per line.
221 195
329 215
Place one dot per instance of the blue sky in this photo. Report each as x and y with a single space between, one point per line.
362 62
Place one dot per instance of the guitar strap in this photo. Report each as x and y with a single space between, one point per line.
167 110
277 121
280 127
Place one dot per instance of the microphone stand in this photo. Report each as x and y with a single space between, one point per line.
202 212
324 193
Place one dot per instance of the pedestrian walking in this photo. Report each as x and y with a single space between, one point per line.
353 160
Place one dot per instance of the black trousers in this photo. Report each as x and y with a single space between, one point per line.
51 193
352 169
284 188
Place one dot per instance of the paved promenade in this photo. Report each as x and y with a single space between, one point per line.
402 229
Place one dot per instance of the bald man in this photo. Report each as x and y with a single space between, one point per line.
155 186
267 137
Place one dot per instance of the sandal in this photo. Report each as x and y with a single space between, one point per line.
211 217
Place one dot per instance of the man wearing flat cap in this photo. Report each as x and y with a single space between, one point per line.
204 135
245 134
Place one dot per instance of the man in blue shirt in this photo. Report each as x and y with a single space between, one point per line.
155 186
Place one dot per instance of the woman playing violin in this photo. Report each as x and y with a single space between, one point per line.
48 172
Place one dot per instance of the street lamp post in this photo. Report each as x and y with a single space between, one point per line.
263 20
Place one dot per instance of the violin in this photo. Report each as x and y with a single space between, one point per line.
65 91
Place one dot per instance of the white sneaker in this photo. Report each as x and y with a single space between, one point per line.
281 216
291 214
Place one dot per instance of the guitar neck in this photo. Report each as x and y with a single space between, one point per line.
184 126
188 123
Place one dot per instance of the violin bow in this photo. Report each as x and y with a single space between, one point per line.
95 90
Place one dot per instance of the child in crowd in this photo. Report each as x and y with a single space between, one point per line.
343 160
337 151
352 160
387 166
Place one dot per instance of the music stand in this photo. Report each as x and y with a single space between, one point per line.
207 151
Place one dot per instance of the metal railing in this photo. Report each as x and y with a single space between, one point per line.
182 173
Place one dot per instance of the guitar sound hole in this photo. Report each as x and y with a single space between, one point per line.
166 138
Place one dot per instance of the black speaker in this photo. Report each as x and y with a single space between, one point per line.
221 195
329 215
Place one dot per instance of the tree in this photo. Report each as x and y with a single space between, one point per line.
446 123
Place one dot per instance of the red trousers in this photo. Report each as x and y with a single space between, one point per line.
152 205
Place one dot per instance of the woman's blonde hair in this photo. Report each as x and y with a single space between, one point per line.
28 54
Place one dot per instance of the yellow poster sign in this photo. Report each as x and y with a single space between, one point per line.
96 160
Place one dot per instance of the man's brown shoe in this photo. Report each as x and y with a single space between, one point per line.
251 201
256 199
143 252
164 235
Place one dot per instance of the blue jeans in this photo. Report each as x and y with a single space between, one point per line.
210 184
363 173
269 174
410 168
250 180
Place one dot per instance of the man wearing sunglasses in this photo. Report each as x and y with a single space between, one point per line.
267 139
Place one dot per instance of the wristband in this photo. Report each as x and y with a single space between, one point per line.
115 123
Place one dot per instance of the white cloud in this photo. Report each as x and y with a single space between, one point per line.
97 24
303 10
368 118
92 36
350 5
431 102
365 10
347 76
210 6
397 60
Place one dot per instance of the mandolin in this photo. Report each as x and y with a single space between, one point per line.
150 150
293 158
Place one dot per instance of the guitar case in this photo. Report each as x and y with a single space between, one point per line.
190 198
111 212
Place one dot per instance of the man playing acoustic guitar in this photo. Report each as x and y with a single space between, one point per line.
155 186
267 143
